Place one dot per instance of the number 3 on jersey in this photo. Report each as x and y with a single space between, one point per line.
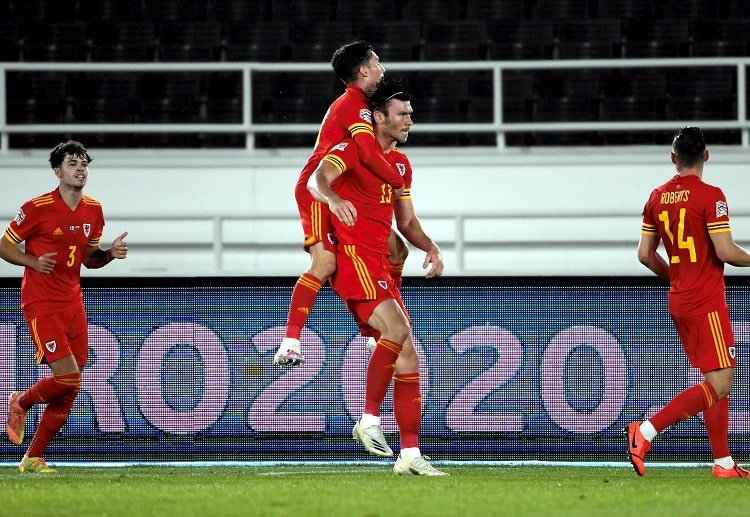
683 242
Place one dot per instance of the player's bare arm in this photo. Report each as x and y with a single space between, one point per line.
96 257
410 227
13 255
729 251
649 256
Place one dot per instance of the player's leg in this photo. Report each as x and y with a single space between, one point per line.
65 354
319 244
398 252
707 340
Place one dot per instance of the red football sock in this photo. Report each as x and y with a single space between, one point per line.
48 389
397 271
716 420
379 374
688 403
303 298
407 408
56 413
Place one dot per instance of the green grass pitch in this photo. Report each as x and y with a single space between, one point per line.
370 490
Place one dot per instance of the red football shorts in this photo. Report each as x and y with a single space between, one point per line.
708 339
60 334
316 222
363 281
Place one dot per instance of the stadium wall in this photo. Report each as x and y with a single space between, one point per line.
494 212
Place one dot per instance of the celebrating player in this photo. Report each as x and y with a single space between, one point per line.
363 206
358 66
61 230
691 218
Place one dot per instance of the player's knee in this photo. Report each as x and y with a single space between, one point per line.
68 384
323 266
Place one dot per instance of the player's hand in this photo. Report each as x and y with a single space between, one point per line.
434 260
120 247
343 210
45 263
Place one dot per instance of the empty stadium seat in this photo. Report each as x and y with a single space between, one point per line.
434 10
454 41
190 41
628 9
168 97
102 97
11 42
56 42
589 39
720 37
483 10
510 40
317 42
267 41
656 38
395 41
122 41
160 11
109 11
302 11
36 97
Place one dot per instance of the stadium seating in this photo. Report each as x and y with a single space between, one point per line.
394 41
11 42
316 42
656 38
55 42
189 41
511 40
454 41
122 42
267 41
400 30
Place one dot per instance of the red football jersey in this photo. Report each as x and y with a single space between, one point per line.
684 212
47 224
348 116
372 198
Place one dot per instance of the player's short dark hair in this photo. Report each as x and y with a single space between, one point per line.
689 146
389 88
71 147
347 59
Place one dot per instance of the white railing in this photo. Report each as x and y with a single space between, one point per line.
497 126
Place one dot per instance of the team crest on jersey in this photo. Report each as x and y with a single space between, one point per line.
721 209
331 238
366 115
51 346
86 229
383 284
339 147
731 352
401 168
20 216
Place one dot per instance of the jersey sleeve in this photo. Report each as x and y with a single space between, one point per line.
648 225
343 156
23 224
403 167
717 212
